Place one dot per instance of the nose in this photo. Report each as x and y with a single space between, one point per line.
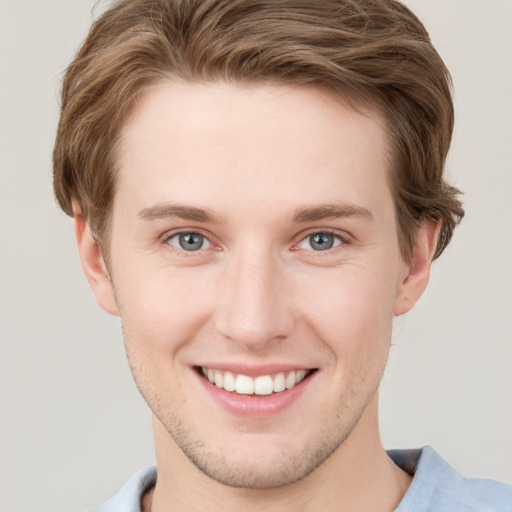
254 302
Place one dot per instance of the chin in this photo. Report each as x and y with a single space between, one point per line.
250 474
262 466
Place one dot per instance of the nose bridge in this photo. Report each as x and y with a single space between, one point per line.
254 309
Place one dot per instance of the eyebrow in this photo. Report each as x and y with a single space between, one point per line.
331 211
166 211
321 212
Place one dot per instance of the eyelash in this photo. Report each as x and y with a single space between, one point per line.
168 237
342 238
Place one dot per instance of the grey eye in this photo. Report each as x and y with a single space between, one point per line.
189 241
320 242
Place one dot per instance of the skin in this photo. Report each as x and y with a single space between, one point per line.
257 292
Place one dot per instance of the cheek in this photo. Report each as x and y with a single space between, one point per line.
352 312
160 309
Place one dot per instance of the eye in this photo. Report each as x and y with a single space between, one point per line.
320 241
189 241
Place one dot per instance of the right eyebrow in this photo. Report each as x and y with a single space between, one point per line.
331 211
168 210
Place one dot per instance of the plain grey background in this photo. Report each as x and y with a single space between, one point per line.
72 425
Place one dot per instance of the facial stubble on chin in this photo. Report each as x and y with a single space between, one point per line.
279 470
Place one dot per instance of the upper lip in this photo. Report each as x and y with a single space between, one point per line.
252 370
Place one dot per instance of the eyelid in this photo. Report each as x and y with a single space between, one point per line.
205 241
166 237
342 236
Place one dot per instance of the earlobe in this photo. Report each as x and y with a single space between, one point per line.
415 281
93 265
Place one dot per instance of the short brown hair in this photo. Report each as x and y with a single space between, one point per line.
372 51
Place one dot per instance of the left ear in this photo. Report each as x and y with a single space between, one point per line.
415 281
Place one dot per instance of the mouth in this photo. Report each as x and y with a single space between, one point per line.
262 385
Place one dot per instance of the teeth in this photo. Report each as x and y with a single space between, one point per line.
279 383
262 385
229 381
290 380
244 385
299 375
219 379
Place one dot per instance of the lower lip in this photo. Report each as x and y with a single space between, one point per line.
258 406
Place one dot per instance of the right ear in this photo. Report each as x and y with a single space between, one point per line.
93 264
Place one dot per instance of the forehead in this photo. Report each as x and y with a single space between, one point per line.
223 144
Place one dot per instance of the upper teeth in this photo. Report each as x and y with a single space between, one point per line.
262 385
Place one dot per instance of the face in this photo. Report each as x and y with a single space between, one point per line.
256 268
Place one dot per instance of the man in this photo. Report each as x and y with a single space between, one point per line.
257 188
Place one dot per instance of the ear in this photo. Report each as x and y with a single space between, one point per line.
93 264
416 279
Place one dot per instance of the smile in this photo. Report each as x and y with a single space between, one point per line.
261 385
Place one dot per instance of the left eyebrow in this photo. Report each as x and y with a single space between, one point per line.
168 210
331 211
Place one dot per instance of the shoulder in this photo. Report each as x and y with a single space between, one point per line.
436 486
489 495
129 497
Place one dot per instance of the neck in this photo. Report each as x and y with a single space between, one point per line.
357 476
